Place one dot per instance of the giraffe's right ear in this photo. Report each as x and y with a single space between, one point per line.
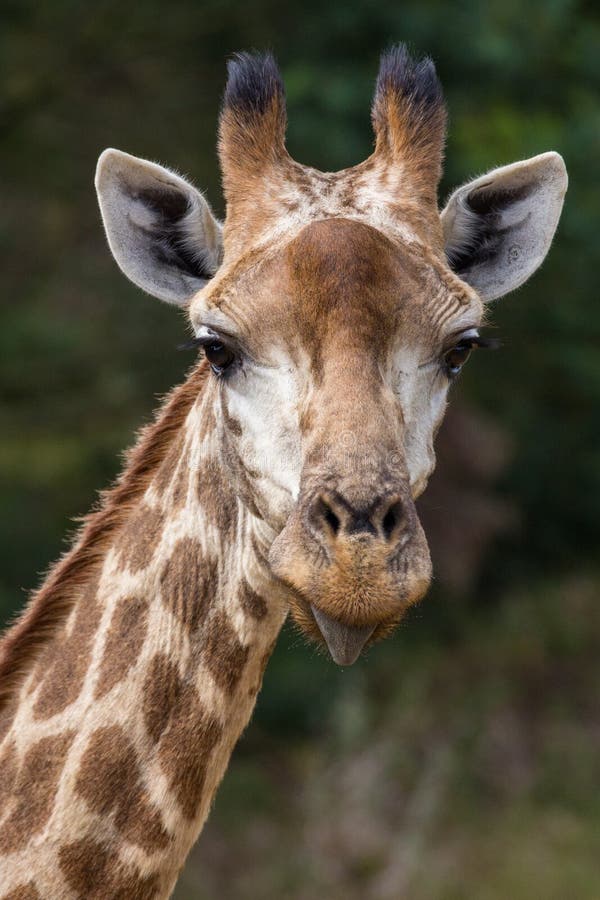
160 229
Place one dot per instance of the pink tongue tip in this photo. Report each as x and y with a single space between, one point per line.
344 641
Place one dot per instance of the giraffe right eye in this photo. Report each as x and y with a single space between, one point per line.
219 356
455 359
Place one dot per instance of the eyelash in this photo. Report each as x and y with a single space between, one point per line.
217 352
223 356
462 348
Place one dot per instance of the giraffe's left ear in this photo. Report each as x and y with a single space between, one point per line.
499 228
160 229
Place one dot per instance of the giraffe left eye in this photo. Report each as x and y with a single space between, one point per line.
455 359
219 356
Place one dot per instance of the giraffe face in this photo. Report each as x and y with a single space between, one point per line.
332 365
335 309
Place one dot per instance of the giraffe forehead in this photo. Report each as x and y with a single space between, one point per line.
350 274
341 256
337 277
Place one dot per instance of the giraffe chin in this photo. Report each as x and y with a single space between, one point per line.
342 641
355 598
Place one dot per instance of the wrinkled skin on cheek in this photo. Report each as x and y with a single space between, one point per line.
422 396
261 440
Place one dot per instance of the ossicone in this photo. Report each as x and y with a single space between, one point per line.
409 118
253 119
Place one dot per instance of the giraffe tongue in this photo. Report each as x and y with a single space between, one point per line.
344 641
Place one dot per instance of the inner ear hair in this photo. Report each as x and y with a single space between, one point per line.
479 235
498 228
176 224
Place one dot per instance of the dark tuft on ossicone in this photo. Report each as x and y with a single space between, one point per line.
414 80
253 83
409 118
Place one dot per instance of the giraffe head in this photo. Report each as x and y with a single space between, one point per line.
335 310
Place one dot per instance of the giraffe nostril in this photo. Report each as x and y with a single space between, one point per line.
391 519
334 517
329 516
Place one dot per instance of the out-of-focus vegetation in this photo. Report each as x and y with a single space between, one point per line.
460 759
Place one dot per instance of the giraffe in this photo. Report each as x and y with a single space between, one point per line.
332 312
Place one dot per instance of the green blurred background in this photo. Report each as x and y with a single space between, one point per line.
461 759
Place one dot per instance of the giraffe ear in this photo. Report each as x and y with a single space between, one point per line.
160 229
498 228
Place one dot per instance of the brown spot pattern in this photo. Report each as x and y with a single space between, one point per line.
216 497
24 892
174 473
185 748
251 602
67 658
124 641
140 537
6 719
8 774
92 872
48 654
242 476
291 206
255 688
207 423
45 662
34 790
186 583
162 687
110 781
259 550
223 652
180 486
231 422
167 468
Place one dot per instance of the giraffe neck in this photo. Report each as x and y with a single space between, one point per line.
125 724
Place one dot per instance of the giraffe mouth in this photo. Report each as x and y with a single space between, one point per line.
344 642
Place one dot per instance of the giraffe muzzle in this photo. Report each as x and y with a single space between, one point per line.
353 568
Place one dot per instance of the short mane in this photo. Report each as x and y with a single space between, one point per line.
52 602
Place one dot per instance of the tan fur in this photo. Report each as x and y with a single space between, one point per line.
23 892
